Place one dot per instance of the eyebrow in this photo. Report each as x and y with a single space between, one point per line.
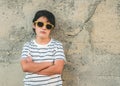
48 21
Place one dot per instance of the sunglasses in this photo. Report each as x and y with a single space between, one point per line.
41 24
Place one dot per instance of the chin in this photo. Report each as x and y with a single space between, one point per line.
41 36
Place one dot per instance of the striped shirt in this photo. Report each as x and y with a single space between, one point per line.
43 53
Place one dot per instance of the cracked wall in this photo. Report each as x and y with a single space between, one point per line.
88 29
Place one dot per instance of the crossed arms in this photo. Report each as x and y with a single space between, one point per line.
42 68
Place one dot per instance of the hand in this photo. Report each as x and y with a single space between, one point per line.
29 59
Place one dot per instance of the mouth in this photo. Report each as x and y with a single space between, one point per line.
43 32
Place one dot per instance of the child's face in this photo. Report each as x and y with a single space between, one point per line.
42 32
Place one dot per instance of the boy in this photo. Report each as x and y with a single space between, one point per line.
43 58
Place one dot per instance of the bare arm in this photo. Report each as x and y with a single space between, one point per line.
29 66
57 68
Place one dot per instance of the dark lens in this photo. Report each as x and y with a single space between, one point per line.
48 26
40 24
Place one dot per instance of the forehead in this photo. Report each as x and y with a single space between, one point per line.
43 19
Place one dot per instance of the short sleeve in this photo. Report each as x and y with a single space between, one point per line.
59 54
25 50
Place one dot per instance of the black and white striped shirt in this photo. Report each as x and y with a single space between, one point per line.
43 53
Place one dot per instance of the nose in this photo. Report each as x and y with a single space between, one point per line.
44 27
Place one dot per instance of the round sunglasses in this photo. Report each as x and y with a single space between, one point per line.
41 24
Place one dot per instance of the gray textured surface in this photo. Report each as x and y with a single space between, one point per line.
88 29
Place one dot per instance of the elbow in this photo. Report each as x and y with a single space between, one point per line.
24 66
59 71
24 69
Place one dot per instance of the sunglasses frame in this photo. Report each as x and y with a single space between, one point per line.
44 24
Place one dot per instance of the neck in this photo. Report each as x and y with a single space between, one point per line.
40 40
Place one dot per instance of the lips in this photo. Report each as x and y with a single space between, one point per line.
43 32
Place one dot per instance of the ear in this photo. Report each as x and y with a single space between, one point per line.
33 26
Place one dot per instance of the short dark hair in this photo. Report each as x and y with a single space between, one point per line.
44 13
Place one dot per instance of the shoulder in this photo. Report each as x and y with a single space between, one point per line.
56 42
27 44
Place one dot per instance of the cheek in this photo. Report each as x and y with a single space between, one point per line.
48 32
37 30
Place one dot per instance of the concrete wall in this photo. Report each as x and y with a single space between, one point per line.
88 29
